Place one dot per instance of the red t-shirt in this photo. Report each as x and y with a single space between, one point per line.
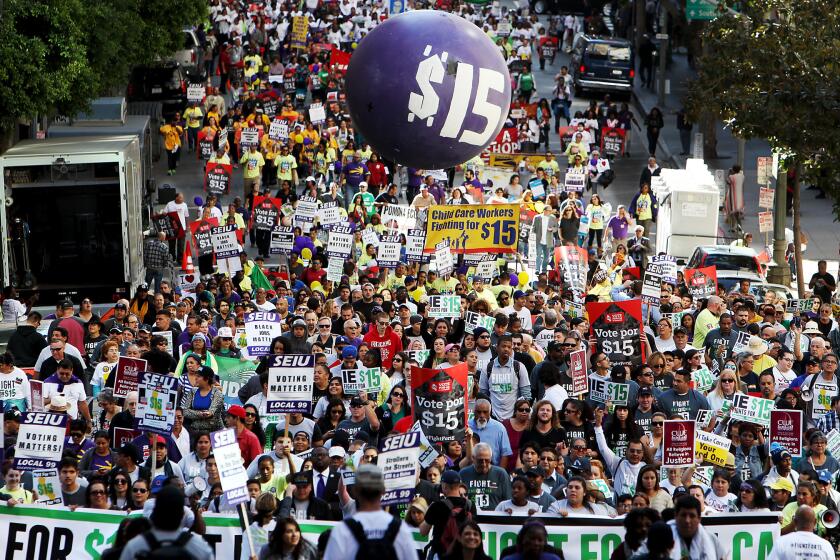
249 446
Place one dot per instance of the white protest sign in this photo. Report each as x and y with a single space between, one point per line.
703 379
195 92
291 379
486 270
317 113
415 240
278 130
224 241
282 240
156 403
755 410
575 181
400 467
340 244
400 218
48 485
428 453
362 379
443 258
260 328
474 320
330 216
601 390
306 208
765 222
765 197
40 441
388 253
445 306
335 270
667 267
370 237
232 474
249 137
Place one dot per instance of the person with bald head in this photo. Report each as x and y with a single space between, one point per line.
802 542
707 320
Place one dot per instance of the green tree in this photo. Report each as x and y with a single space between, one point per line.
58 55
771 71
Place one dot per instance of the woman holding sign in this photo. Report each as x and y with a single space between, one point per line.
206 405
726 387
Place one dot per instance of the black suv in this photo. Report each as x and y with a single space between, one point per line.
603 64
165 83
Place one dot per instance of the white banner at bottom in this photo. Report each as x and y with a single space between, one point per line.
57 533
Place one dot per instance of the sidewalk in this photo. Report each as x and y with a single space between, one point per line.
817 216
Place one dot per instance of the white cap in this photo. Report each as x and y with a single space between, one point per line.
225 332
337 451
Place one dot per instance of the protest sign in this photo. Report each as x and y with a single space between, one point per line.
270 105
48 485
703 379
335 270
474 228
40 441
127 373
703 418
282 240
577 371
786 430
156 403
217 178
398 459
225 244
249 137
668 267
445 306
195 92
232 474
205 144
260 328
202 243
652 285
741 342
278 130
443 259
340 244
36 393
266 213
797 306
678 443
440 401
370 237
169 224
428 453
84 534
486 270
123 436
399 218
473 320
317 113
575 181
233 374
419 356
833 442
612 141
331 217
361 379
388 252
756 410
415 241
574 264
616 328
712 447
701 282
290 383
306 208
601 390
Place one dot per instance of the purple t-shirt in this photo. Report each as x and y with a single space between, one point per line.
619 227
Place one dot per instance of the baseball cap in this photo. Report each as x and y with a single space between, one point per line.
680 330
825 476
225 332
357 401
782 484
478 331
409 279
645 392
301 478
450 477
130 450
337 451
777 455
416 319
299 323
342 340
157 484
66 304
115 329
518 294
237 411
535 471
117 306
369 477
349 352
13 414
362 435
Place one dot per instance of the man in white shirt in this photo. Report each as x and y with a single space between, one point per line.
65 389
520 298
176 246
802 544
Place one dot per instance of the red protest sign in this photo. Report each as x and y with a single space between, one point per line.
123 436
612 141
616 328
678 443
440 402
200 230
577 369
125 378
170 224
217 178
786 430
339 60
266 213
701 282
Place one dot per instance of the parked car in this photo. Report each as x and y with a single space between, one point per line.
727 258
190 56
602 64
165 83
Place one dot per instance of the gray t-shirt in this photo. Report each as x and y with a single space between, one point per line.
488 490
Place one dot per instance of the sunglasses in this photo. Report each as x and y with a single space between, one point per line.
397 395
323 326
139 490
658 423
523 410
97 492
646 374
397 360
579 448
727 381
120 481
251 414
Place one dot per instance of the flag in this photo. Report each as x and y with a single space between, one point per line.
258 279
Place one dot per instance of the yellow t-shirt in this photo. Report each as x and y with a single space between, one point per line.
644 207
276 485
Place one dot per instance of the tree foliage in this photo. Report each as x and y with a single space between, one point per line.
772 71
58 55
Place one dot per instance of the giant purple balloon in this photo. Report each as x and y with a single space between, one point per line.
428 89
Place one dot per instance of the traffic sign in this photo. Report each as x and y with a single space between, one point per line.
704 10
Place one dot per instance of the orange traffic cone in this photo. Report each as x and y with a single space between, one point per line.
186 260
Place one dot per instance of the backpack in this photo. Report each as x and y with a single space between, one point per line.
381 549
167 550
450 533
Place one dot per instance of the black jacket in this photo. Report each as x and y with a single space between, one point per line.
318 509
25 345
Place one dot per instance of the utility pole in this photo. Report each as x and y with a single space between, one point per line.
780 272
663 38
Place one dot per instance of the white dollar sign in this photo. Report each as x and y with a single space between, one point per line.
425 104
